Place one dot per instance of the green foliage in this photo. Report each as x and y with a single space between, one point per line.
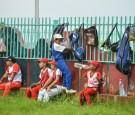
17 104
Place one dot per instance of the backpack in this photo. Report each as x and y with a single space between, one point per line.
112 46
91 36
123 63
77 50
58 30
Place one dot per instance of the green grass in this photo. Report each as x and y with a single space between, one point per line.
62 105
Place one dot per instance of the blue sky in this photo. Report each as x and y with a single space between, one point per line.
67 8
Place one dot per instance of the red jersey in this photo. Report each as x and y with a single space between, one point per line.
16 69
55 73
44 75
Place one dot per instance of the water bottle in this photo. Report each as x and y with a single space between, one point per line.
121 88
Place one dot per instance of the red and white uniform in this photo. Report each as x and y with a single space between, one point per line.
92 80
57 73
15 68
92 86
44 95
44 75
16 83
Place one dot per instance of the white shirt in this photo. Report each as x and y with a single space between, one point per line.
58 47
92 81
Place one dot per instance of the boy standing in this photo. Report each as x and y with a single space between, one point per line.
32 92
94 79
53 85
57 50
13 75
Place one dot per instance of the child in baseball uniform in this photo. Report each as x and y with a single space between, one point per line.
45 73
53 85
57 50
94 79
13 76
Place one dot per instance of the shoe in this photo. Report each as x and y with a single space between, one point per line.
71 91
63 88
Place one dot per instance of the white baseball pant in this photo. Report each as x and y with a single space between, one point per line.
45 96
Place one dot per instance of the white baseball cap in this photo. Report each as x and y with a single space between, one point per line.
58 36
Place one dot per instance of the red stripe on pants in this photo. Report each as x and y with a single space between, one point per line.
33 93
87 94
14 85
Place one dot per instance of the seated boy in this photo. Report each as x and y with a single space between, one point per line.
53 85
94 79
32 92
13 76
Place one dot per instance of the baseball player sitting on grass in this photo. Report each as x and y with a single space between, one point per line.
32 92
53 85
94 79
13 76
57 50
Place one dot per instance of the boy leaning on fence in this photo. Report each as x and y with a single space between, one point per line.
94 79
53 85
45 73
12 78
57 50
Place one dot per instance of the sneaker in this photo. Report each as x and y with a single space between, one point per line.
63 88
71 91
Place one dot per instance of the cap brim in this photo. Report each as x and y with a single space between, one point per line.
7 59
51 63
58 38
38 61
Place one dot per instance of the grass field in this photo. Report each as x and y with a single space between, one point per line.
62 105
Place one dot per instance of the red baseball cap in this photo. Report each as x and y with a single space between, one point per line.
52 62
95 63
45 60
